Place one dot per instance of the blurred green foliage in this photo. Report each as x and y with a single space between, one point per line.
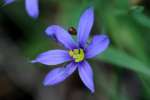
127 25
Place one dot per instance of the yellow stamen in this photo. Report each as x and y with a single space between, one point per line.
77 54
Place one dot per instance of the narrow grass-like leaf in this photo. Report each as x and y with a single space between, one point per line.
124 60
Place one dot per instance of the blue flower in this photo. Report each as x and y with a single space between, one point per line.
32 7
8 1
76 52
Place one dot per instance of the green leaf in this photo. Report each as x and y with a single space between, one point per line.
141 18
124 60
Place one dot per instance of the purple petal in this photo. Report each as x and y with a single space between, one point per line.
8 1
59 74
53 57
61 36
32 8
86 75
85 25
98 45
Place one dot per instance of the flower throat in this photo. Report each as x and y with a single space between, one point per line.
77 54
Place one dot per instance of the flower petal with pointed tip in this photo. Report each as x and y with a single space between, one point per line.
97 46
53 57
61 35
32 8
86 75
8 1
85 25
59 74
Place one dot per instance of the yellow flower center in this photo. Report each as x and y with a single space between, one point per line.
77 54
